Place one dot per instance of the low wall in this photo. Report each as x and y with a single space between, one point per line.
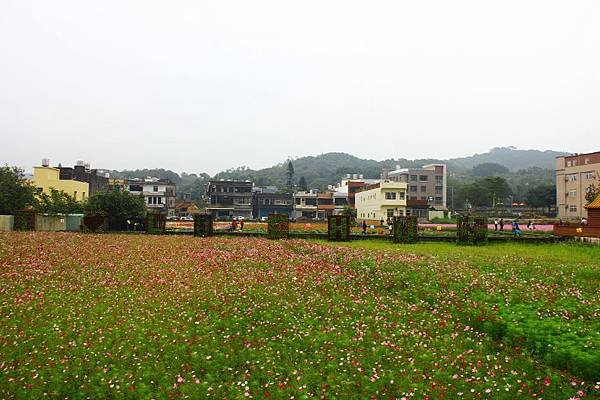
50 223
6 223
577 231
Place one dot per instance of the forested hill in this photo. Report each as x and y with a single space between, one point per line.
326 169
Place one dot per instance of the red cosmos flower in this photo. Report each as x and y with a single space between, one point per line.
547 381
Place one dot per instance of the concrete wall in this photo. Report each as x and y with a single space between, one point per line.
6 223
50 223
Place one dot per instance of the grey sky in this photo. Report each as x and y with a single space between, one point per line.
202 86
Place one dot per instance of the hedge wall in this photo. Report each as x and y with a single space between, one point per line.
94 223
405 230
24 221
471 230
278 226
203 225
338 228
156 222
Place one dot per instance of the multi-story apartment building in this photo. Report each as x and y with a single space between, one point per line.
574 174
229 198
426 183
159 194
381 201
305 204
265 203
46 177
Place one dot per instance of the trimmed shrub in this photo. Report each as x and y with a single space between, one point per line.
24 221
156 223
471 230
93 223
338 228
278 226
405 230
203 225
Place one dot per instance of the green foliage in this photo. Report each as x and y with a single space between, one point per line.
203 225
16 192
156 222
24 221
302 186
349 211
117 204
290 177
58 202
405 229
338 228
592 192
541 196
278 226
489 169
471 230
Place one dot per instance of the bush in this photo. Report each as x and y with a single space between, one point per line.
405 230
471 230
338 228
203 225
156 222
278 226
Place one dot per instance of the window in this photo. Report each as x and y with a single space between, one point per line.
390 195
572 193
572 177
439 189
438 199
423 197
413 178
423 178
413 188
390 212
568 163
586 161
75 195
439 179
159 200
155 189
572 208
423 189
401 195
135 188
589 175
82 195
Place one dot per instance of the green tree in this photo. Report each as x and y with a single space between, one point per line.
16 192
302 184
496 189
489 169
58 202
591 192
349 211
117 204
290 177
541 196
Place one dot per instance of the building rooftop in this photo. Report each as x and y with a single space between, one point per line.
595 204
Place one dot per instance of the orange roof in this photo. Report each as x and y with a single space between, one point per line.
595 204
185 204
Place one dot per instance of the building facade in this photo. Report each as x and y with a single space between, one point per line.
185 208
574 174
228 198
381 201
426 183
264 204
46 177
82 172
159 194
305 205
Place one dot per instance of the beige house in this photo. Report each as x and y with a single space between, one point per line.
46 177
381 201
574 174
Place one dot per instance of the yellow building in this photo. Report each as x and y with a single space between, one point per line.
45 178
381 201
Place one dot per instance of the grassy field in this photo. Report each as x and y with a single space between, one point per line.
138 316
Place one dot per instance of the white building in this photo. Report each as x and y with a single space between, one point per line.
159 194
381 201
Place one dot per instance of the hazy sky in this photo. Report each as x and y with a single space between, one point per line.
207 85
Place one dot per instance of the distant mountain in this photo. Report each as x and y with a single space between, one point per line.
326 169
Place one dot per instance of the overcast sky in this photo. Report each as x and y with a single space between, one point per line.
201 86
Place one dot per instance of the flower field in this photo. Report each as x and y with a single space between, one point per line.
143 316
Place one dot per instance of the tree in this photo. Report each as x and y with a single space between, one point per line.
290 177
592 192
541 196
489 169
302 184
349 211
496 189
58 202
16 192
117 204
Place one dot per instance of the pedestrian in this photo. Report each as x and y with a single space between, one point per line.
496 224
516 229
241 225
501 224
583 221
364 226
529 225
234 225
381 222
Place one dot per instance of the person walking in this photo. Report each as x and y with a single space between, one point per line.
501 224
381 222
496 224
364 227
241 225
529 225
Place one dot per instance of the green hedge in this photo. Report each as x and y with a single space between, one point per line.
405 230
24 221
278 226
203 225
156 222
94 223
471 230
338 228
